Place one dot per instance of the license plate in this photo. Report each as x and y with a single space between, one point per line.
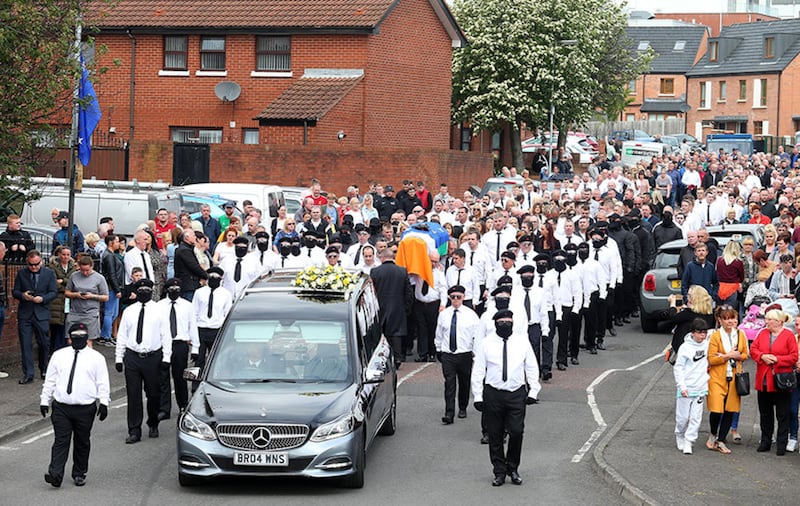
676 284
277 459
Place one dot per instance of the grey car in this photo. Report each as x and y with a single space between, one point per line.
298 383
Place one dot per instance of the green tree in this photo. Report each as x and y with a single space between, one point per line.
37 41
525 57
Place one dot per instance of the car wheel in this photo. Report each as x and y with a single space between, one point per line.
648 325
390 424
356 480
187 480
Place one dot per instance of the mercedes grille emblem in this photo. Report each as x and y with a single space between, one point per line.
260 437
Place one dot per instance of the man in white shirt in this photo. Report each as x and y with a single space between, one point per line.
505 379
239 269
138 257
441 211
429 301
496 240
461 274
529 301
456 328
262 256
211 306
692 220
144 348
355 251
567 301
179 316
77 378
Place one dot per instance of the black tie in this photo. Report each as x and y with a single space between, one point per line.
498 247
453 325
541 280
525 256
425 288
283 261
505 360
569 240
597 254
237 271
528 303
261 258
358 255
144 265
35 281
559 280
173 321
530 200
458 279
140 326
472 258
210 302
72 373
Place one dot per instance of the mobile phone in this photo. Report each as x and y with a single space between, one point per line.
679 301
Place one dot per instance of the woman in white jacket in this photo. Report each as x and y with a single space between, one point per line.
691 380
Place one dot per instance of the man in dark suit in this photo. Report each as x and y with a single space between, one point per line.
34 288
395 298
187 268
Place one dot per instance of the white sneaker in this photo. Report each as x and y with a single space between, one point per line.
680 442
791 445
4 374
687 448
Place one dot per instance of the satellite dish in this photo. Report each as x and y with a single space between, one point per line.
227 91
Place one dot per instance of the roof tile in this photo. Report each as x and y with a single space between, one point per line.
308 98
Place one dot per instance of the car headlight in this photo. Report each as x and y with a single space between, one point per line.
337 428
191 426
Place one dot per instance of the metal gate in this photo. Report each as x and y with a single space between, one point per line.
190 163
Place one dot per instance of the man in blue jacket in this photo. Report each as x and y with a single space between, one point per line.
700 272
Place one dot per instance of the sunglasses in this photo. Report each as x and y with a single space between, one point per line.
456 297
37 264
333 255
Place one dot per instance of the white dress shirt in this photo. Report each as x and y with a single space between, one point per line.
155 334
568 293
521 365
499 272
271 259
468 279
489 240
133 258
89 384
250 271
467 327
479 260
222 305
184 317
294 262
437 292
538 307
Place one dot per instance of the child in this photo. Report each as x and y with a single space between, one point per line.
691 378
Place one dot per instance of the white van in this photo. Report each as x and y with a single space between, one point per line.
267 198
129 203
634 151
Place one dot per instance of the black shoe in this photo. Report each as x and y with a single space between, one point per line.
81 481
421 359
25 381
546 376
617 322
153 433
764 447
574 361
397 364
498 480
462 413
600 345
132 439
625 319
582 346
635 314
485 439
516 479
593 351
163 415
613 332
52 480
42 375
780 452
560 366
447 420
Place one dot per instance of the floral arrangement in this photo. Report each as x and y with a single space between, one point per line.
324 278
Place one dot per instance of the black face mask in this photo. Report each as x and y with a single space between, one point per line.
79 340
597 243
309 242
615 225
541 268
286 250
666 218
240 251
173 294
144 294
262 244
560 265
214 282
572 259
501 302
583 254
527 281
504 329
633 222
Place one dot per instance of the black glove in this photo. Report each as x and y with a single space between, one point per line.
478 405
118 366
44 409
102 412
165 366
531 400
439 356
195 356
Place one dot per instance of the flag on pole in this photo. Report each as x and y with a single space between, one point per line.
88 115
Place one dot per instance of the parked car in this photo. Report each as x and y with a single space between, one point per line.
574 145
690 140
324 387
293 197
192 202
672 142
493 183
630 135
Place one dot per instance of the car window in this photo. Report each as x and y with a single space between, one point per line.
493 186
666 259
282 350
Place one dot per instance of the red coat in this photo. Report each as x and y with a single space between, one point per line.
784 348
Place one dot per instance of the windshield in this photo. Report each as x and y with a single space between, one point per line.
666 259
291 351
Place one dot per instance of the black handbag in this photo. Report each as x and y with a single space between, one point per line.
742 382
785 381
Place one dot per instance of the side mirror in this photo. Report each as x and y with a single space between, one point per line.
191 374
374 376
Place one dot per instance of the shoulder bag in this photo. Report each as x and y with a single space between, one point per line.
741 378
784 381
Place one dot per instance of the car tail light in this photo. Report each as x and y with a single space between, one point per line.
650 283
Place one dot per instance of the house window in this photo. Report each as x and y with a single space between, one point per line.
742 90
643 45
704 95
466 138
630 116
759 93
273 53
212 53
758 128
667 87
175 52
198 135
713 51
723 91
250 136
680 45
769 47
632 87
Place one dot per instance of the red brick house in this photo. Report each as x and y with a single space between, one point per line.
345 90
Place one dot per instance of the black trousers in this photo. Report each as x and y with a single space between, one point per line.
425 315
590 321
626 299
575 333
141 371
71 423
772 405
535 338
504 412
611 302
179 362
563 328
547 343
456 369
207 337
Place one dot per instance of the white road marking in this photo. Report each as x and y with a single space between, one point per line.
598 417
412 373
8 448
38 437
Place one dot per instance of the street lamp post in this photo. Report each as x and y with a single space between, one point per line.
563 42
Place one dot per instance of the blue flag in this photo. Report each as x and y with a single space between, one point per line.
88 115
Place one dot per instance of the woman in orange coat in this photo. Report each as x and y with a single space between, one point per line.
774 351
727 349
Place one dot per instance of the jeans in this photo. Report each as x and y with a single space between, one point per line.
110 312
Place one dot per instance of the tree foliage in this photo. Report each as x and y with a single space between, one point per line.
37 50
525 55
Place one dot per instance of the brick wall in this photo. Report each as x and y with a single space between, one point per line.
337 168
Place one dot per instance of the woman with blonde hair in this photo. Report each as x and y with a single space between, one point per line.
730 272
368 210
770 239
698 304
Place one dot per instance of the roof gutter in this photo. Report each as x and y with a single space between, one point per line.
132 86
